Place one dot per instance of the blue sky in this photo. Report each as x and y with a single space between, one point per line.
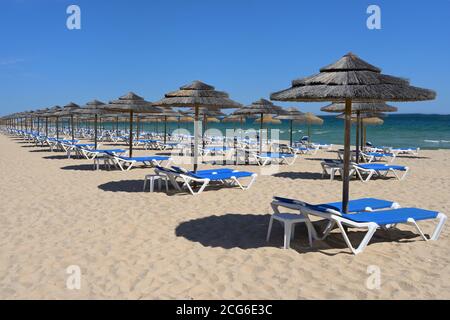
248 48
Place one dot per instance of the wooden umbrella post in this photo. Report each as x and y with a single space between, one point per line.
130 140
57 128
196 138
165 129
290 133
362 129
95 131
358 121
346 178
71 126
46 127
260 133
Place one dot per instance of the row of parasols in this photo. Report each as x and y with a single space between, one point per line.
356 88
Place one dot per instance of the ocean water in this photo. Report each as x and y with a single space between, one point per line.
398 130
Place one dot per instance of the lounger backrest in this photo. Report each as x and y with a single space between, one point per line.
306 205
179 169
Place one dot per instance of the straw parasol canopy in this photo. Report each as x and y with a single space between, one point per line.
198 95
68 110
363 116
52 112
360 107
93 108
349 80
131 103
355 79
267 118
374 121
232 118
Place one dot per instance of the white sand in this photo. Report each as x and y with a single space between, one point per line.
56 212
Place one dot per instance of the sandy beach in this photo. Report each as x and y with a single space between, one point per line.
56 212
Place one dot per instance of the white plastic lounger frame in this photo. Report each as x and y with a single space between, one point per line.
263 161
371 172
187 180
126 164
335 218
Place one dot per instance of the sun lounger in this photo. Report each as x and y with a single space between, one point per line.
370 220
181 178
268 157
377 156
410 151
364 171
377 169
126 163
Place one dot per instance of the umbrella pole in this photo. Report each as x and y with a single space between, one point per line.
95 132
57 129
309 133
260 133
71 125
290 134
117 126
131 134
46 127
358 122
38 126
362 128
138 128
165 129
365 135
203 132
346 178
196 139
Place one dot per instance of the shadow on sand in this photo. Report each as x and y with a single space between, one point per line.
80 167
299 175
248 231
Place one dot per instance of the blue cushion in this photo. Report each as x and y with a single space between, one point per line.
381 167
353 205
392 216
276 155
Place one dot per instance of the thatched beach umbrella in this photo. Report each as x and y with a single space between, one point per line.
93 108
260 107
166 114
40 113
267 119
359 108
68 110
364 120
198 95
310 119
348 80
131 103
291 114
53 113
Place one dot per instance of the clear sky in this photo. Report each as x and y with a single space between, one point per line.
248 48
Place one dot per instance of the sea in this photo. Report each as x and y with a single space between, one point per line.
427 131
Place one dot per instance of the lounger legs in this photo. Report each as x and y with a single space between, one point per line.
437 231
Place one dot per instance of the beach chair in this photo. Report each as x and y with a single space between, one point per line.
377 169
377 156
126 163
183 179
331 167
266 158
407 151
371 220
322 146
